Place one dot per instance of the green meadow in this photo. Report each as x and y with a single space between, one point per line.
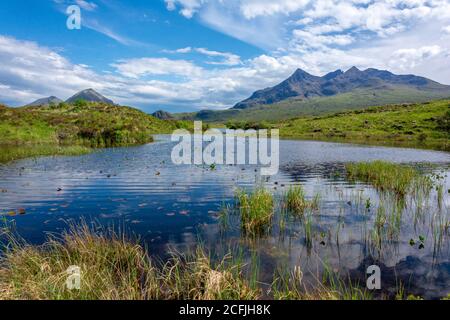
68 129
424 125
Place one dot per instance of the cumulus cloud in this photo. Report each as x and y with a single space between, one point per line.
188 7
255 8
409 58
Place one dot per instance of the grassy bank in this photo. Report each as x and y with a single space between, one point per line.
425 125
113 267
10 153
71 129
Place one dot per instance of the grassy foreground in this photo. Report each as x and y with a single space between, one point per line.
113 267
425 125
68 129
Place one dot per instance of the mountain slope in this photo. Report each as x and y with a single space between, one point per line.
89 95
45 102
162 115
304 86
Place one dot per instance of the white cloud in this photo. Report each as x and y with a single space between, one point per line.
408 59
224 58
86 5
255 8
188 7
135 68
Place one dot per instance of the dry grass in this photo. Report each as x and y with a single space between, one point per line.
113 268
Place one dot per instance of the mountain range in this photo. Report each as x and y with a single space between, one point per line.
304 94
302 85
89 95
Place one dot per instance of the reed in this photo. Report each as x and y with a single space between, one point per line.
296 202
256 210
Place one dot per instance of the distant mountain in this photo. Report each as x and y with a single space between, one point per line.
89 95
45 102
304 86
163 115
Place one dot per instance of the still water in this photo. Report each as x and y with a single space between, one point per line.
139 189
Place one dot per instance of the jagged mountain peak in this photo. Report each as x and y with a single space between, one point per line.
302 85
334 74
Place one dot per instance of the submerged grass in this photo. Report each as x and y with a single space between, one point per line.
391 177
289 285
256 210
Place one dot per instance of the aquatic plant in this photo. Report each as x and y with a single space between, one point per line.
391 177
296 202
289 285
256 210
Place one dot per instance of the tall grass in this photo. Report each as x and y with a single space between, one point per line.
113 267
390 177
256 209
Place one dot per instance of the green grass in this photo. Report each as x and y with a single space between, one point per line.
391 177
90 125
10 153
417 125
256 210
296 202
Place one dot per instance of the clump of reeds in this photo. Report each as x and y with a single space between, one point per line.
296 202
256 210
391 177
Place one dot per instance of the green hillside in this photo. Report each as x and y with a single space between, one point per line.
291 108
72 128
424 125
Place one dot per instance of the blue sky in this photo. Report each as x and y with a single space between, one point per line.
185 55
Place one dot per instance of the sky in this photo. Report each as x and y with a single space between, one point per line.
187 55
